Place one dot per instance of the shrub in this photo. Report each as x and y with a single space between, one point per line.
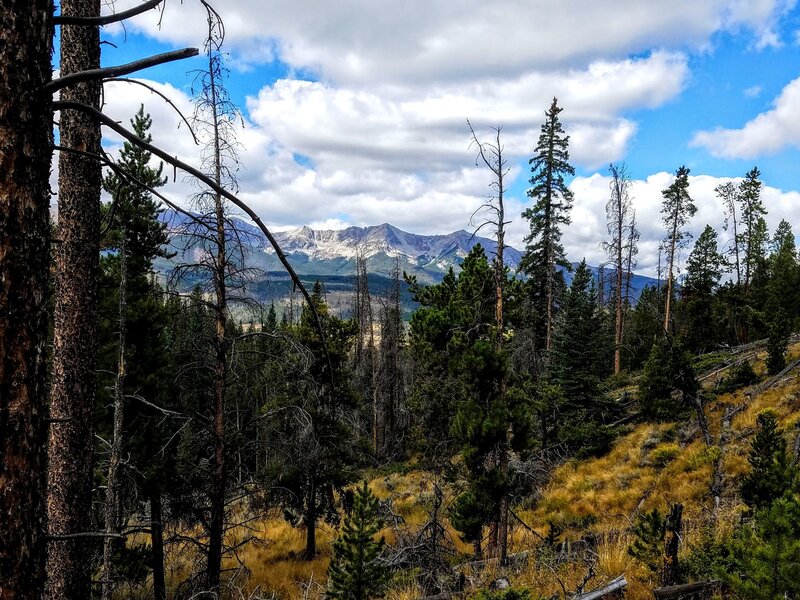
664 454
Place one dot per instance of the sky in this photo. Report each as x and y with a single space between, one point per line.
354 112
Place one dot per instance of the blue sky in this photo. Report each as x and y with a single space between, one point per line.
355 111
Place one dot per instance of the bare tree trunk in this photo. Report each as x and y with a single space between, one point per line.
157 545
670 271
671 571
311 521
491 154
217 520
25 150
112 507
75 329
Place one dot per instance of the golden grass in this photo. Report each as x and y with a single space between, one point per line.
647 468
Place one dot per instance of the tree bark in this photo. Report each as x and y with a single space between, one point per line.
311 520
673 241
157 545
25 140
217 521
112 507
75 328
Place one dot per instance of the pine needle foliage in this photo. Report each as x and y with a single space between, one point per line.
356 572
771 473
648 544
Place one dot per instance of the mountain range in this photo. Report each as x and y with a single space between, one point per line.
330 255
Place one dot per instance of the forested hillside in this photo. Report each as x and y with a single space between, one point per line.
523 434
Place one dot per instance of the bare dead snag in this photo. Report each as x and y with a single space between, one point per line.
75 327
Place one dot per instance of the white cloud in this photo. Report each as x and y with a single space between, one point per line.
588 228
364 41
753 91
768 132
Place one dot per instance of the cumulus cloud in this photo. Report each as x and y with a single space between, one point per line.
768 132
358 41
588 228
378 134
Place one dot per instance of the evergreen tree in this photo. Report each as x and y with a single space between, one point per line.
752 211
311 409
784 277
355 572
703 271
645 326
667 369
459 369
771 473
134 213
580 359
765 558
677 208
777 342
649 532
131 316
552 202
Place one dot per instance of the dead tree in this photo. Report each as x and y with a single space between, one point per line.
77 266
490 154
389 386
25 139
216 114
620 248
364 359
672 541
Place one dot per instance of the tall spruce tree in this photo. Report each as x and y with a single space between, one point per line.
752 235
704 269
677 208
552 202
459 369
580 359
784 276
135 236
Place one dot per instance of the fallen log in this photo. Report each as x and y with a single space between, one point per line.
688 591
614 586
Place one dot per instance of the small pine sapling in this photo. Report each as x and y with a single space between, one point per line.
356 572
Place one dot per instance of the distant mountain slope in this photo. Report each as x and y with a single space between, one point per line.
330 255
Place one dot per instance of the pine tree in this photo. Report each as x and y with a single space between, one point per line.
580 359
771 473
752 235
552 201
649 532
136 236
459 366
311 424
784 277
355 572
667 369
764 561
677 208
703 271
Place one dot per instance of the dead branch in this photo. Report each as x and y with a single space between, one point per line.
160 95
177 163
106 19
119 70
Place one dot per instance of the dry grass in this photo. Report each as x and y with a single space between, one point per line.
647 468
